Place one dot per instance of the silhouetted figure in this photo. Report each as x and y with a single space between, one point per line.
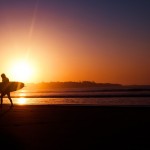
5 82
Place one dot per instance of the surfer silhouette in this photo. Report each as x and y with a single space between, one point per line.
5 82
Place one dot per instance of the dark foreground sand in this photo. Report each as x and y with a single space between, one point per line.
74 127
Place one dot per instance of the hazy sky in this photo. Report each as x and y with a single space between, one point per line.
76 40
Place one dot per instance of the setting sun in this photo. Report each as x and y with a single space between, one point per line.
22 71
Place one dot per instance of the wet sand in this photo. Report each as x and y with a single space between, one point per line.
74 127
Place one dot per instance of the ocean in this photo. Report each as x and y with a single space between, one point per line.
79 96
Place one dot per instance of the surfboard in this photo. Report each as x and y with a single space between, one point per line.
11 86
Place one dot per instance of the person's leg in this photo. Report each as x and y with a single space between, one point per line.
2 95
8 94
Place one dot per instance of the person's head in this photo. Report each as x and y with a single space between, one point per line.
3 75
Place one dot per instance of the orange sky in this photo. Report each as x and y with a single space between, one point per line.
74 41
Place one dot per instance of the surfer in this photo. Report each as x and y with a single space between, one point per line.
4 92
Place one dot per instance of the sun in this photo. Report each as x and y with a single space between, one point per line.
22 71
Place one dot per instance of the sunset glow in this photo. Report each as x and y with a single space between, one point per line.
75 41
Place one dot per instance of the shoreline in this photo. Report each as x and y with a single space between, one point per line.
74 127
102 101
83 96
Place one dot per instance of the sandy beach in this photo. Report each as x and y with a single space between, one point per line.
74 127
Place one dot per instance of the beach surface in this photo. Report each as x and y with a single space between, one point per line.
74 127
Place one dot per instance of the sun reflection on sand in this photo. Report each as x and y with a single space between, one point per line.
22 100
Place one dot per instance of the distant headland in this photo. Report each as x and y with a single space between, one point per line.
88 84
